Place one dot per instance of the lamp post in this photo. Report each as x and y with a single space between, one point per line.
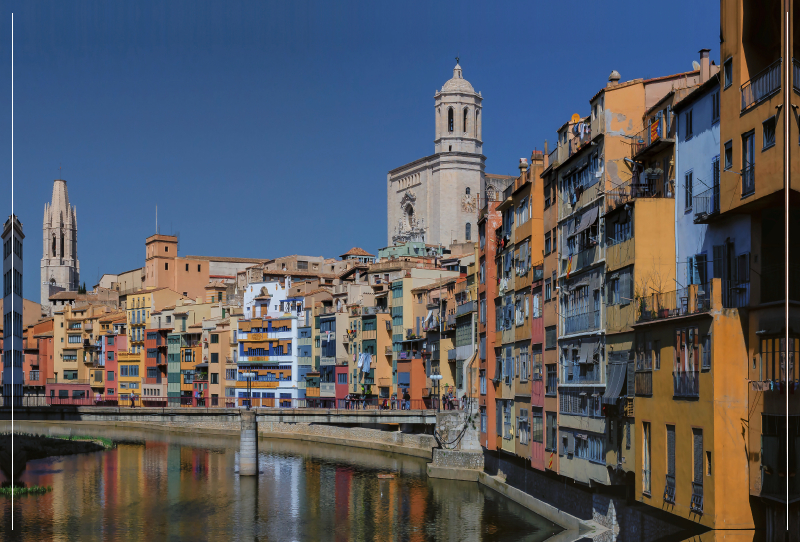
436 386
249 376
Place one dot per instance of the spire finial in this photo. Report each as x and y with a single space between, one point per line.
456 59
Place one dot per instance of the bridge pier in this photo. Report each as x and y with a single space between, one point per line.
248 445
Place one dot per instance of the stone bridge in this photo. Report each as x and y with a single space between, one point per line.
178 415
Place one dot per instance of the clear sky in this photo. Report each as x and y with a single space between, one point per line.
263 129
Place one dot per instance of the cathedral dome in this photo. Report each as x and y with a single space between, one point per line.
457 83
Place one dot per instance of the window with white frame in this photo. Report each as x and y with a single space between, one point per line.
523 426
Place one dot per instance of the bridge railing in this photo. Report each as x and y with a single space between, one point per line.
210 403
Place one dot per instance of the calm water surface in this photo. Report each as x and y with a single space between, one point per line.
164 486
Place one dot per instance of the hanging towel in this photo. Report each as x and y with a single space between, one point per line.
360 360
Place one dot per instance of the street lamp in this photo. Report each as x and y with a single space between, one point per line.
249 376
436 386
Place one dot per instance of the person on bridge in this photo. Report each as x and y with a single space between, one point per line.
133 396
406 400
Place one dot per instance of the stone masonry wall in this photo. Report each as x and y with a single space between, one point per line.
457 460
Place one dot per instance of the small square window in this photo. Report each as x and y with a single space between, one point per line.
198 268
166 266
727 69
729 155
769 133
187 266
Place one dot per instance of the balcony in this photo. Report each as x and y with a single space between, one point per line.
584 373
647 185
706 205
466 308
369 335
371 311
652 139
580 260
552 158
686 384
75 382
582 322
384 382
643 383
451 354
327 389
387 350
761 86
327 360
693 299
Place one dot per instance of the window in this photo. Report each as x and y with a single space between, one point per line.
450 119
748 159
705 352
688 190
198 268
468 232
483 421
483 382
187 266
708 463
552 432
715 107
523 427
729 155
152 372
166 266
769 133
214 338
547 290
537 425
468 190
230 374
466 113
727 70
214 357
687 119
669 487
547 243
646 458
110 376
342 378
214 378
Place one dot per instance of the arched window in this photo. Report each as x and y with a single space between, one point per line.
62 244
450 119
468 190
53 251
468 233
466 112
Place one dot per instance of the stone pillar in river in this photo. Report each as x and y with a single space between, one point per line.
248 445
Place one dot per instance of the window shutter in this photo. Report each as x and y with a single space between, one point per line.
697 435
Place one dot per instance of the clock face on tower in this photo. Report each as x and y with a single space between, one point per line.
468 203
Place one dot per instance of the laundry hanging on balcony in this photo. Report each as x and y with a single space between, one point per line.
365 367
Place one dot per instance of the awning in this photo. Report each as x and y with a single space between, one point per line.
619 356
588 218
201 366
616 378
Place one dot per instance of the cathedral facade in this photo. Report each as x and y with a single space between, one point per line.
60 266
436 199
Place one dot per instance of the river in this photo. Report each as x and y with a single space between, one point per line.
172 486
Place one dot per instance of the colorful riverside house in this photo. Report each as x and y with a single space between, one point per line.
690 408
131 369
333 324
268 347
489 220
376 338
549 355
139 306
114 340
38 349
154 383
759 84
216 341
463 357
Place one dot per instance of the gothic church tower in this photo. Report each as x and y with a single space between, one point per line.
60 266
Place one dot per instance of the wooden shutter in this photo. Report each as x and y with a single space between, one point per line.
671 450
697 437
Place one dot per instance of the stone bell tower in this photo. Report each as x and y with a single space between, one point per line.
60 266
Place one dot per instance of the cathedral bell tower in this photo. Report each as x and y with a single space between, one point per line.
458 116
60 266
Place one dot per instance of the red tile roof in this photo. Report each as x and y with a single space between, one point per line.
356 251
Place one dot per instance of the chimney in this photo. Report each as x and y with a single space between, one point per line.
704 66
613 79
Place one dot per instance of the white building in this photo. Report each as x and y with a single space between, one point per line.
435 199
12 311
268 345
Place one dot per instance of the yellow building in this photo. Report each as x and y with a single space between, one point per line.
130 375
139 306
691 407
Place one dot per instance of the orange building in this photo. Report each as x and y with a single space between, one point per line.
165 269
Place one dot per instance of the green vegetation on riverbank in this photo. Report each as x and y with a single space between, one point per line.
106 443
20 490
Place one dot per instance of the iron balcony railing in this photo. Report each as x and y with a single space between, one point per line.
658 130
693 299
686 384
706 205
748 180
581 322
553 156
762 85
646 481
696 505
582 259
735 294
669 489
369 311
591 374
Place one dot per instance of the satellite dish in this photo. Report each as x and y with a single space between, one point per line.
576 118
695 65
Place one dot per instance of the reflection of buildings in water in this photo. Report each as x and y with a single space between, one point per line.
247 510
466 511
342 489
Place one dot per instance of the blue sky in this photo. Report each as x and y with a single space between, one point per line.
265 129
